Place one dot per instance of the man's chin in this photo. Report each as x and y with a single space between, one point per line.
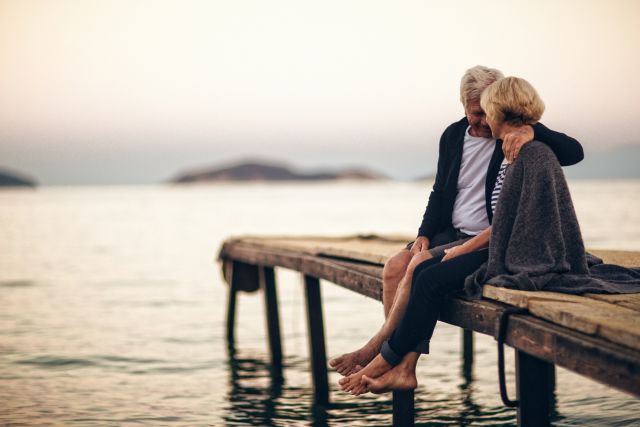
482 132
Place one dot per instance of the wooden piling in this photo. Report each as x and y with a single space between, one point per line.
403 409
316 340
533 377
268 284
467 352
231 303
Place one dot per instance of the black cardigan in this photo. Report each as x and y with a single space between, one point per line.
439 211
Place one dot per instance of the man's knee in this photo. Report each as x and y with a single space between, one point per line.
396 266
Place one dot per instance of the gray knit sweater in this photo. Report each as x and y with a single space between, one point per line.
536 242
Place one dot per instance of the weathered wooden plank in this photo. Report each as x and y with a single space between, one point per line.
624 258
522 298
631 301
373 249
371 270
618 325
376 249
321 268
587 315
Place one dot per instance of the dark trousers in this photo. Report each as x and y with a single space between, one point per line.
433 281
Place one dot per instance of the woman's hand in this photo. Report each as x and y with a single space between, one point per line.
455 251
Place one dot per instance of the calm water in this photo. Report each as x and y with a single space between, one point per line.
112 309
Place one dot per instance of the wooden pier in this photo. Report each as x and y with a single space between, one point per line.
597 336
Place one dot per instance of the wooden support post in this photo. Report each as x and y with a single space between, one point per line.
316 340
241 277
533 387
231 304
467 353
268 284
403 409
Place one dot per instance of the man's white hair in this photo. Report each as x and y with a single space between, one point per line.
475 80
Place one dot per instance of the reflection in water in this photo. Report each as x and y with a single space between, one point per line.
251 400
469 410
259 395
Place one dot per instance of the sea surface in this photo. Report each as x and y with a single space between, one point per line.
112 310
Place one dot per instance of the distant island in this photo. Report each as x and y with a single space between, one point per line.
260 171
13 179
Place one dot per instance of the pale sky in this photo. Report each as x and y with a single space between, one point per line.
134 91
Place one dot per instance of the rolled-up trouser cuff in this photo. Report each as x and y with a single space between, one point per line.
389 355
422 347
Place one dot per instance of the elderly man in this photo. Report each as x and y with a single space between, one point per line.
459 206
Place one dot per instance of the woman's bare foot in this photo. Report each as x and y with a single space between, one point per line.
397 379
353 384
347 363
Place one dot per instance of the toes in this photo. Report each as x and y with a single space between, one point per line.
336 361
360 389
346 383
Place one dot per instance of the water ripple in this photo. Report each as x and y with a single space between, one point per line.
56 362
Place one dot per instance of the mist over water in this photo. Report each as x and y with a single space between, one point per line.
113 309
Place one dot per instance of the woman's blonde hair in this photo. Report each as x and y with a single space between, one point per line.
512 100
475 80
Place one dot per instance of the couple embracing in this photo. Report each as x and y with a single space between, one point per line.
500 212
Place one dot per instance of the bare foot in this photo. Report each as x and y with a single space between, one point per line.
348 363
353 384
397 379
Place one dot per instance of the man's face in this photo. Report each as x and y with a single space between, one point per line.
477 120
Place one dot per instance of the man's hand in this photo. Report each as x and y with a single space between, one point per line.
455 251
513 142
420 244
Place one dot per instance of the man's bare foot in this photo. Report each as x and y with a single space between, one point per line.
397 379
353 384
348 363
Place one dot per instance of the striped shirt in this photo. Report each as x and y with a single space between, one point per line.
498 186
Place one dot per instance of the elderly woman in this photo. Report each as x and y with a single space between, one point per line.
509 103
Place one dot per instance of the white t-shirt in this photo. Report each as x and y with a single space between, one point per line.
470 208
